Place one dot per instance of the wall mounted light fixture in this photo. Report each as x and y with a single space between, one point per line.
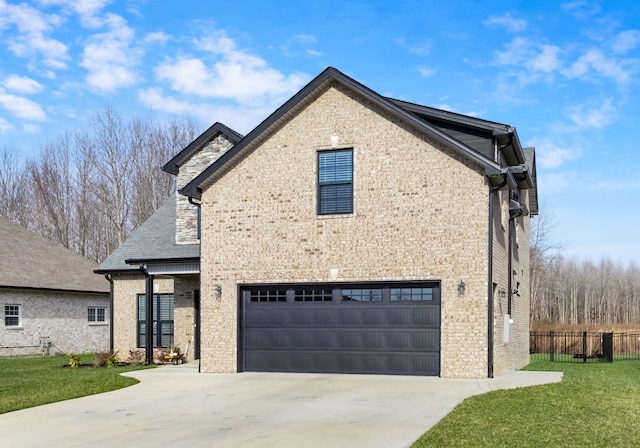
502 293
217 291
461 287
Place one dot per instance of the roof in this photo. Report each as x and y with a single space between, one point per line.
530 164
33 262
308 94
173 165
155 239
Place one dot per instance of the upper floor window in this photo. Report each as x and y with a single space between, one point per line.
12 316
335 182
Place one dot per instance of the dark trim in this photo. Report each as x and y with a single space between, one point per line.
138 261
173 165
194 188
111 334
68 291
148 291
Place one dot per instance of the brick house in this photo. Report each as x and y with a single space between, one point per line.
50 300
348 232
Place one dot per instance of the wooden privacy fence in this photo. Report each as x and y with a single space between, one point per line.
584 346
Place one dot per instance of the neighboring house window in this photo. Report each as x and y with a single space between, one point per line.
12 316
162 320
97 314
335 182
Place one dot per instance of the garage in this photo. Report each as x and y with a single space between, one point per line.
381 328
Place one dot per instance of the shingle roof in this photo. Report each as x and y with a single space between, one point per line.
30 261
155 239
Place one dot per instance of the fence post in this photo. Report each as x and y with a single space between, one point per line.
584 346
607 346
551 346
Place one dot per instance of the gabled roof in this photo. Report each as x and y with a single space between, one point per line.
530 165
33 262
308 94
173 165
153 240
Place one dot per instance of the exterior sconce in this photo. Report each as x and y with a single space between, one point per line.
502 293
217 291
461 287
516 292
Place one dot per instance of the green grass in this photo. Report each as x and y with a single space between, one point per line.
28 382
595 405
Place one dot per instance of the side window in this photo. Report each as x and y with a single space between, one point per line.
96 314
335 182
12 316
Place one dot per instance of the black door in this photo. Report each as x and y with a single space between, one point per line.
385 328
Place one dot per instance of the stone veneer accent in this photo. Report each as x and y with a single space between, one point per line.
61 316
186 213
420 213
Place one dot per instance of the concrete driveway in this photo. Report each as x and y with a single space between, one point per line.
176 406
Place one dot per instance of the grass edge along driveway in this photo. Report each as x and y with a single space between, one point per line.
595 405
29 382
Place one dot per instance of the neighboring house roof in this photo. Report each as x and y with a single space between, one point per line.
153 240
33 262
173 165
395 108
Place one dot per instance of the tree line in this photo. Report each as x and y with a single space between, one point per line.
89 190
579 293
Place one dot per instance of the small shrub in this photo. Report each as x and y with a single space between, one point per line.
113 360
74 361
136 357
101 359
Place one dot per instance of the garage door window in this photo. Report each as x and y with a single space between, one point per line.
313 295
411 294
268 295
362 295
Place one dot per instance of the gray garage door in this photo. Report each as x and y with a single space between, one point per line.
383 328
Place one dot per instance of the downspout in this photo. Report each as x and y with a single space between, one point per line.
110 280
490 281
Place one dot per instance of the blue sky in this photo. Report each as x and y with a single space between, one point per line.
566 75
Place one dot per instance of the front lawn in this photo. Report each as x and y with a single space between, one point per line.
28 382
595 405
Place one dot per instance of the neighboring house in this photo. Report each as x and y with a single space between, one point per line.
349 233
50 300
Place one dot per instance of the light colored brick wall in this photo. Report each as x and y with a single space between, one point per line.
125 313
186 213
420 213
184 313
61 316
515 353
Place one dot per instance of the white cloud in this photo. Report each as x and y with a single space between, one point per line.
299 44
626 41
581 9
510 23
226 72
591 118
109 57
426 71
240 118
22 107
86 9
5 125
550 154
156 38
421 48
536 57
596 61
22 84
32 40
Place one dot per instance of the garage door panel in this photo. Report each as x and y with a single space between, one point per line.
334 336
